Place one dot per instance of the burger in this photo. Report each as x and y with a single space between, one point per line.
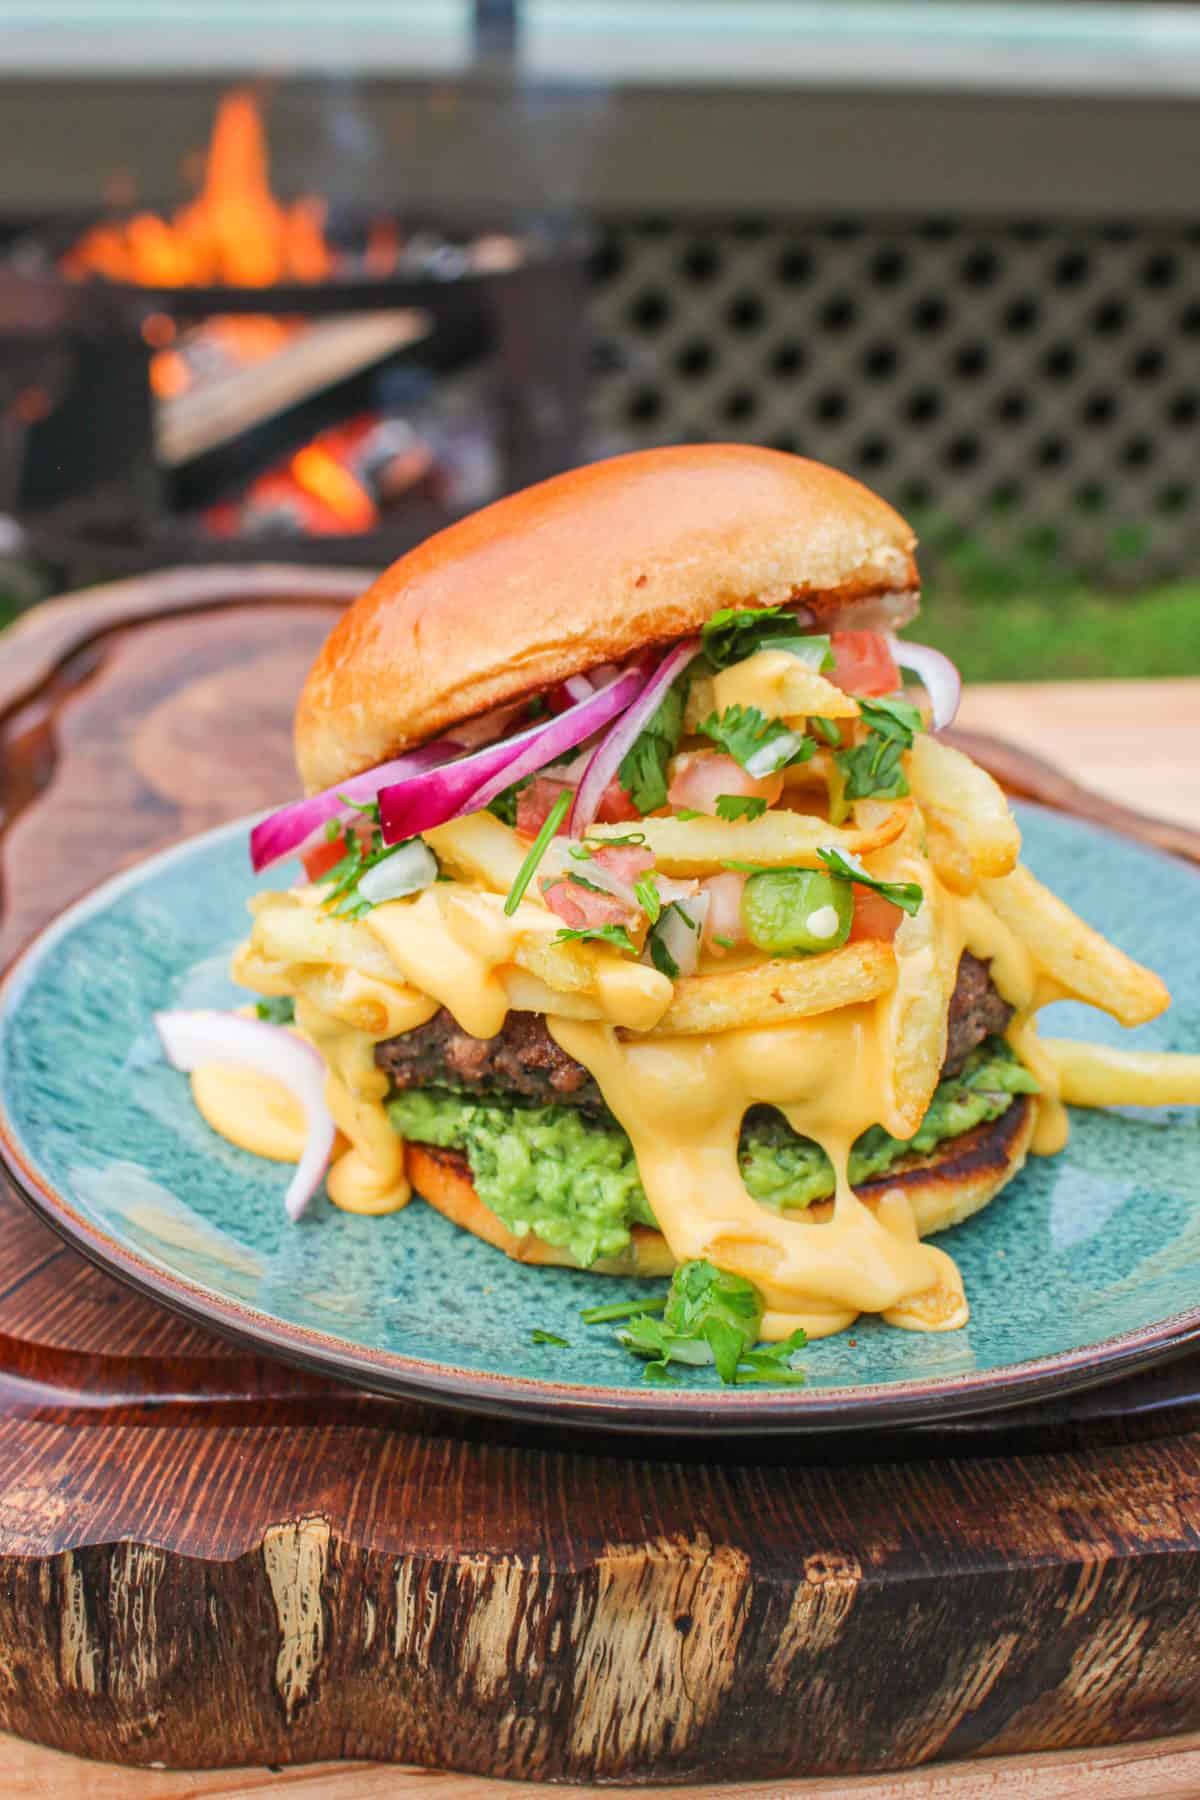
646 924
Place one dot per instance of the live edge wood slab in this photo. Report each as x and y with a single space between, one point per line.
208 1560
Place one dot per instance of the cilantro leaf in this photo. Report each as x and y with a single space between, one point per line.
710 1316
740 806
907 895
365 850
661 956
648 897
736 632
829 729
874 767
276 1009
538 1336
762 746
688 812
643 769
893 716
602 934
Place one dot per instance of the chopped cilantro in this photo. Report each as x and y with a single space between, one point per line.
583 851
538 849
648 897
364 851
760 745
873 768
602 934
593 887
538 1336
829 729
736 632
277 1009
643 770
688 812
660 950
740 806
726 943
907 895
620 1309
710 1316
504 806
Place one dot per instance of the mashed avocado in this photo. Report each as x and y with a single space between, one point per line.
574 1182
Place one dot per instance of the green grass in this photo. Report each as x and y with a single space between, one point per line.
1065 632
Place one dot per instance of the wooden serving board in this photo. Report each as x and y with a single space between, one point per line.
208 1559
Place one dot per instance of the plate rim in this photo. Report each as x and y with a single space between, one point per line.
719 1413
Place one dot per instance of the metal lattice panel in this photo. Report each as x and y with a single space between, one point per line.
1035 386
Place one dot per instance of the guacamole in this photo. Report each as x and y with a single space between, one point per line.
574 1182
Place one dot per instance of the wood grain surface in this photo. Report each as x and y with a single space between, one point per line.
207 1560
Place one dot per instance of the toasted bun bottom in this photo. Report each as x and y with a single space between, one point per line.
958 1179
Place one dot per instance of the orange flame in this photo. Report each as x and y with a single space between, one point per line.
235 230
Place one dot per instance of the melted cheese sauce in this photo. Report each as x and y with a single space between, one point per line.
681 1099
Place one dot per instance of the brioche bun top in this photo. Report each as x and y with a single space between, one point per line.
587 568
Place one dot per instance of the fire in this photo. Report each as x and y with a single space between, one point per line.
317 471
234 232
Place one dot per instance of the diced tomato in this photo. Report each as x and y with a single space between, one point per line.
724 917
579 907
862 663
615 806
320 859
874 917
700 779
626 861
536 802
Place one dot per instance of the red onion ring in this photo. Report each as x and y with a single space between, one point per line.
611 751
292 826
433 797
190 1039
936 673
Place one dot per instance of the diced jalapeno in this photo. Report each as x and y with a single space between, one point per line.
793 910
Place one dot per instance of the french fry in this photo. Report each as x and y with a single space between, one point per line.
914 1013
702 846
968 805
948 851
782 687
382 1009
774 992
1076 958
299 934
629 993
484 849
1098 1075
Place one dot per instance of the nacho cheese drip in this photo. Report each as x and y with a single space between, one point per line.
681 1100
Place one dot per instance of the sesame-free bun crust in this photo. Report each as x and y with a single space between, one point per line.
589 568
944 1188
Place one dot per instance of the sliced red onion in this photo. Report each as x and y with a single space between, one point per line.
612 749
290 828
578 686
936 673
410 868
191 1039
418 803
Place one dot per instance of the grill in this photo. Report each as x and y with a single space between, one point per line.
1029 390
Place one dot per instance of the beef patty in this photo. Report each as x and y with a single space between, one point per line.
524 1061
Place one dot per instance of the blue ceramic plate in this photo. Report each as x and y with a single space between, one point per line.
1086 1267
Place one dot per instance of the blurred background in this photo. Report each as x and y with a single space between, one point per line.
304 282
